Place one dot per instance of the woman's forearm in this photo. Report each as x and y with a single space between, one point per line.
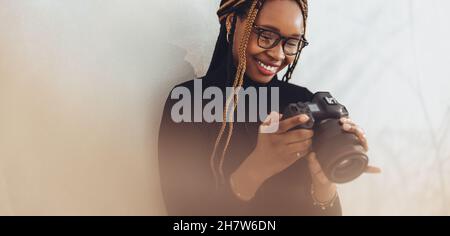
247 179
324 193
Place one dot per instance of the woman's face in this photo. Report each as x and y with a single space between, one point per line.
282 16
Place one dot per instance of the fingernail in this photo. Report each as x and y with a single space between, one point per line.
343 119
304 118
361 132
347 127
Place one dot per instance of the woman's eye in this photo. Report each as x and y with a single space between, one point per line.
267 34
292 44
266 37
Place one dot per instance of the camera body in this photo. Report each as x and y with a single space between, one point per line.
340 154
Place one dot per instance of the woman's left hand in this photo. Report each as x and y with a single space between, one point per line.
324 189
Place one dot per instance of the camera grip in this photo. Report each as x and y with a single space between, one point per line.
295 109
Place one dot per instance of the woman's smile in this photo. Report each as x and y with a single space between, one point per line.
265 68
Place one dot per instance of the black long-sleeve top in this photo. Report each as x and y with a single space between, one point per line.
187 182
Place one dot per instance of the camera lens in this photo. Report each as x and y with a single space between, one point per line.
344 164
340 154
348 169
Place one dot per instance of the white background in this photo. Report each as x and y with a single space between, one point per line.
82 84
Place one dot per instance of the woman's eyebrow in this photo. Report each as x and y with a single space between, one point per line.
278 31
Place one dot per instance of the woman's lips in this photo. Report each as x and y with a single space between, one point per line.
266 69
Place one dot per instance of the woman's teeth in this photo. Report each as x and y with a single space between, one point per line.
269 68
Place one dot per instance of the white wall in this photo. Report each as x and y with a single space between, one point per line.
82 84
388 62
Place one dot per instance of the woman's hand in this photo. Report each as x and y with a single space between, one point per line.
276 150
349 126
324 189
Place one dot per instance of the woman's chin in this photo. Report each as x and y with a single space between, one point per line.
262 79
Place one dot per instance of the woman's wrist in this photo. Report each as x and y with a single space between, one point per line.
246 180
324 196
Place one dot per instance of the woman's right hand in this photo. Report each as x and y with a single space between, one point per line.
277 148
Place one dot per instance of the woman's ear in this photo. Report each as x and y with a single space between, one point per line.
229 22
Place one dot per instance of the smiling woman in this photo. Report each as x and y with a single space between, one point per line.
275 39
249 172
83 84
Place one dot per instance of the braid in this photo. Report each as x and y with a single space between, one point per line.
239 79
304 8
239 7
287 76
224 116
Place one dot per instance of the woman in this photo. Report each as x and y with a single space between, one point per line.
235 168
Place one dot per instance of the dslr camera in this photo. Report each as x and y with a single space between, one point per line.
339 153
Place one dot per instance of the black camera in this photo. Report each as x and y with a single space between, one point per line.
339 153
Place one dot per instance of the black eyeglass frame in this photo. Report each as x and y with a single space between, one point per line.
302 44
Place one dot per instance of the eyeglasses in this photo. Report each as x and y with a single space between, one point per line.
268 39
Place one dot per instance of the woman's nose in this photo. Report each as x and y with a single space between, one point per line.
277 53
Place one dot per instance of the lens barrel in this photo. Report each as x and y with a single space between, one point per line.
340 153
